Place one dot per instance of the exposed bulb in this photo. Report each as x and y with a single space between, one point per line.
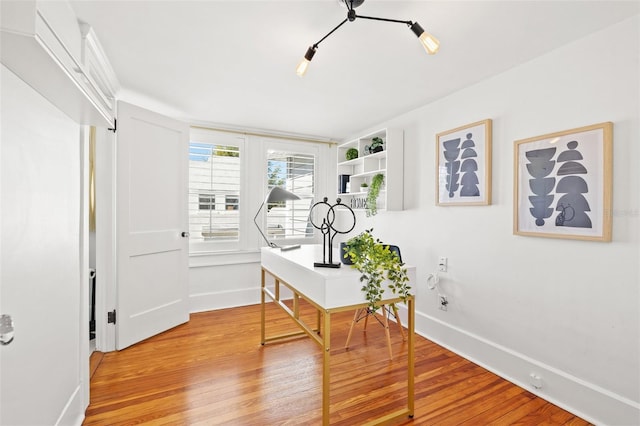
430 43
301 69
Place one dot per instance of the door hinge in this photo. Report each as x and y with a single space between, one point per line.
111 317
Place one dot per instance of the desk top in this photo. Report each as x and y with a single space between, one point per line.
327 287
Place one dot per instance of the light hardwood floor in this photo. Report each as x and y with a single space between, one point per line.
213 371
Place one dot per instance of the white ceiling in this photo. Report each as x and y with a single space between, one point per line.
232 63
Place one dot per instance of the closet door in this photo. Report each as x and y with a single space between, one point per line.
152 223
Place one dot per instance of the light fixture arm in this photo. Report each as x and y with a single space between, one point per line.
429 42
315 45
373 18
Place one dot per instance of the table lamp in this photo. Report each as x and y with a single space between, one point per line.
276 195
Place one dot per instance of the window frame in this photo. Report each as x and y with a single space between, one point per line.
279 145
253 190
224 139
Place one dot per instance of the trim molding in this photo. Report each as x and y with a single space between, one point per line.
73 411
265 134
202 302
205 259
586 400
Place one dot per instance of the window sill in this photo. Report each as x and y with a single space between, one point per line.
220 258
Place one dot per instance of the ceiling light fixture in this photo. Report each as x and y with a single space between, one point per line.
429 42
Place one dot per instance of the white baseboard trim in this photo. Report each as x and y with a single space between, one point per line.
73 411
586 400
202 302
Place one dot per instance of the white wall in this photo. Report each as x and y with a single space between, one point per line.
566 310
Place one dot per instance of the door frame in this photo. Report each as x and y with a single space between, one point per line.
105 238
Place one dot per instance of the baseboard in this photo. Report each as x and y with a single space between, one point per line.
202 302
586 400
73 411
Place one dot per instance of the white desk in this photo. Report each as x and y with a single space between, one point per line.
328 290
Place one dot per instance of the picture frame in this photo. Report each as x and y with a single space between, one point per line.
463 165
563 184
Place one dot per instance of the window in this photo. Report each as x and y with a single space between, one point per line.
294 172
232 202
214 188
229 176
206 202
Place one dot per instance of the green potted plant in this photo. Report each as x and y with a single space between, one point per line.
376 263
372 194
364 187
377 145
351 154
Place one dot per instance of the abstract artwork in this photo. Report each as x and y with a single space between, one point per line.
463 165
562 184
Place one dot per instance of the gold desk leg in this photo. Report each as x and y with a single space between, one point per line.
326 367
411 356
263 338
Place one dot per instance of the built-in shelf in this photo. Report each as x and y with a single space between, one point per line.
388 162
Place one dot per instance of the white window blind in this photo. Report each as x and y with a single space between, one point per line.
294 172
214 192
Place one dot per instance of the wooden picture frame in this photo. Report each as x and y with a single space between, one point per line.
563 184
463 165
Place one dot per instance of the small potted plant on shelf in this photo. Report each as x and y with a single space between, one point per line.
377 145
364 187
372 194
351 154
376 263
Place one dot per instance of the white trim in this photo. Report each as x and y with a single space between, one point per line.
203 302
584 399
73 411
204 259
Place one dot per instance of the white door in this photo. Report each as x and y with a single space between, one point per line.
151 205
43 375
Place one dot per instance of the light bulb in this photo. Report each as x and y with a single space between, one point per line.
301 69
430 43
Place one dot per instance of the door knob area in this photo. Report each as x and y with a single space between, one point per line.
6 329
185 234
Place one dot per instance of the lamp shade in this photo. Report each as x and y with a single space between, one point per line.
278 194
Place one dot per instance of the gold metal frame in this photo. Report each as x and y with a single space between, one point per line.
322 336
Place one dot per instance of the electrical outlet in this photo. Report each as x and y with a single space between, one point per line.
442 264
442 300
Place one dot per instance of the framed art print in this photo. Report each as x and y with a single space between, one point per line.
463 168
563 182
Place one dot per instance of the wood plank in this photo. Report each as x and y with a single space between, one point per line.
213 370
